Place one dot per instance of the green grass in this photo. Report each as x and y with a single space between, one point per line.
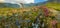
56 6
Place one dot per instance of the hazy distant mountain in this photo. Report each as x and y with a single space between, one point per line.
54 1
9 5
35 4
26 5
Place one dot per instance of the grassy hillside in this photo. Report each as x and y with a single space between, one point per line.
25 13
54 5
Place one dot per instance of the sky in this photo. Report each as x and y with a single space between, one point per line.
36 1
22 1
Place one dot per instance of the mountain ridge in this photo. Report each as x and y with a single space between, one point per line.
9 5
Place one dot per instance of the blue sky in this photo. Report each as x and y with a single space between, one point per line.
36 1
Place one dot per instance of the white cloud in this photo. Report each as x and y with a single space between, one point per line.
17 1
29 1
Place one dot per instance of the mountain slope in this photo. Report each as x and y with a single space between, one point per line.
9 5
